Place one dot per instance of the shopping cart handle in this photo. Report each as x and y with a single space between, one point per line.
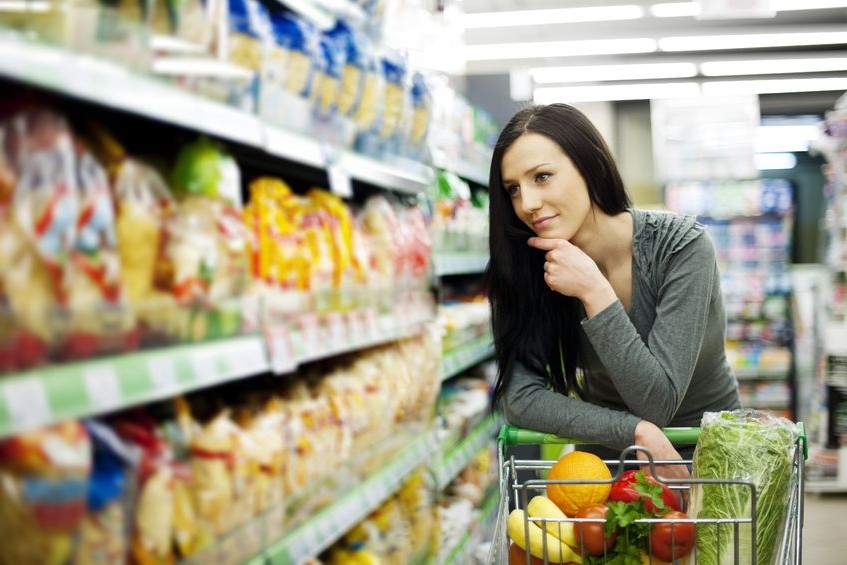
511 435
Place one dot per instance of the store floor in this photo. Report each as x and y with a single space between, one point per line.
825 530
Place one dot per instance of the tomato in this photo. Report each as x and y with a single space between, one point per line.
591 536
624 491
669 542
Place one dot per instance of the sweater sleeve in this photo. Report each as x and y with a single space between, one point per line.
653 378
528 403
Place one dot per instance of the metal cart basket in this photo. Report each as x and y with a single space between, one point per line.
521 480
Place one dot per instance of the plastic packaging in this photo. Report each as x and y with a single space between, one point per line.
748 445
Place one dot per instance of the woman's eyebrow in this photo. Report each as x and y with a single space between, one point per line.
529 170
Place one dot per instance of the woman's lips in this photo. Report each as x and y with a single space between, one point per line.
543 222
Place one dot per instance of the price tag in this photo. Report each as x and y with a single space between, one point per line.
339 181
204 366
337 331
356 323
163 374
310 334
27 404
101 383
372 328
281 352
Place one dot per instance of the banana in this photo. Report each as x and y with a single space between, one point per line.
557 552
543 507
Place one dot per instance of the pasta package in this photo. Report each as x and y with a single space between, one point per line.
249 34
100 319
38 231
395 99
421 98
299 43
369 108
43 487
328 77
353 66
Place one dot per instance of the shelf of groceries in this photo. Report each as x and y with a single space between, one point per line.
109 84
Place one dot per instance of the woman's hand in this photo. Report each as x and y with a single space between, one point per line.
651 437
569 271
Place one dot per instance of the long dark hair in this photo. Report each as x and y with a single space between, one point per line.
532 324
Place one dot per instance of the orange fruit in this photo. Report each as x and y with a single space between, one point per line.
582 466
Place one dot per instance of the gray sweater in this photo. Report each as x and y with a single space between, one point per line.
663 361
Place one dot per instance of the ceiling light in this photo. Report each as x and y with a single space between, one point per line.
549 94
792 5
750 41
552 16
547 49
772 66
590 73
724 88
692 9
774 161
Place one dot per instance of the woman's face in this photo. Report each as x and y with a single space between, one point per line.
548 194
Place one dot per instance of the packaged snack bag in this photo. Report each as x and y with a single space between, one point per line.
315 227
103 536
100 320
152 513
379 224
43 485
38 221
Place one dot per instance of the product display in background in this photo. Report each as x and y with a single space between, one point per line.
334 81
105 253
219 475
460 218
750 223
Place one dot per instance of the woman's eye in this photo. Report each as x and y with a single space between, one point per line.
541 177
512 190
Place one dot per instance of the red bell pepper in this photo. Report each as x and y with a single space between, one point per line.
624 490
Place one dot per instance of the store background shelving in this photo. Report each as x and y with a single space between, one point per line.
827 466
750 222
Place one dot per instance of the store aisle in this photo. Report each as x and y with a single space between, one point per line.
824 532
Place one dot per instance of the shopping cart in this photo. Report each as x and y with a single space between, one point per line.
520 481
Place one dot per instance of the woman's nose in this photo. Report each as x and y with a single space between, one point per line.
530 201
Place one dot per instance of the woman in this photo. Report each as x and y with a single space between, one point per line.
608 321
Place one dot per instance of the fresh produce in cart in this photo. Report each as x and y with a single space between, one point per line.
750 445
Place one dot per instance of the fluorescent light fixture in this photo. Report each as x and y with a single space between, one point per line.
772 66
552 16
750 41
545 49
774 161
797 5
590 73
785 138
775 86
550 94
39 6
692 9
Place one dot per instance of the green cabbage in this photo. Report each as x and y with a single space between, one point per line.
748 445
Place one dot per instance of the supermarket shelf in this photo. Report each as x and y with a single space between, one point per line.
753 373
459 456
111 85
328 525
57 392
460 264
53 393
465 170
467 355
821 486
